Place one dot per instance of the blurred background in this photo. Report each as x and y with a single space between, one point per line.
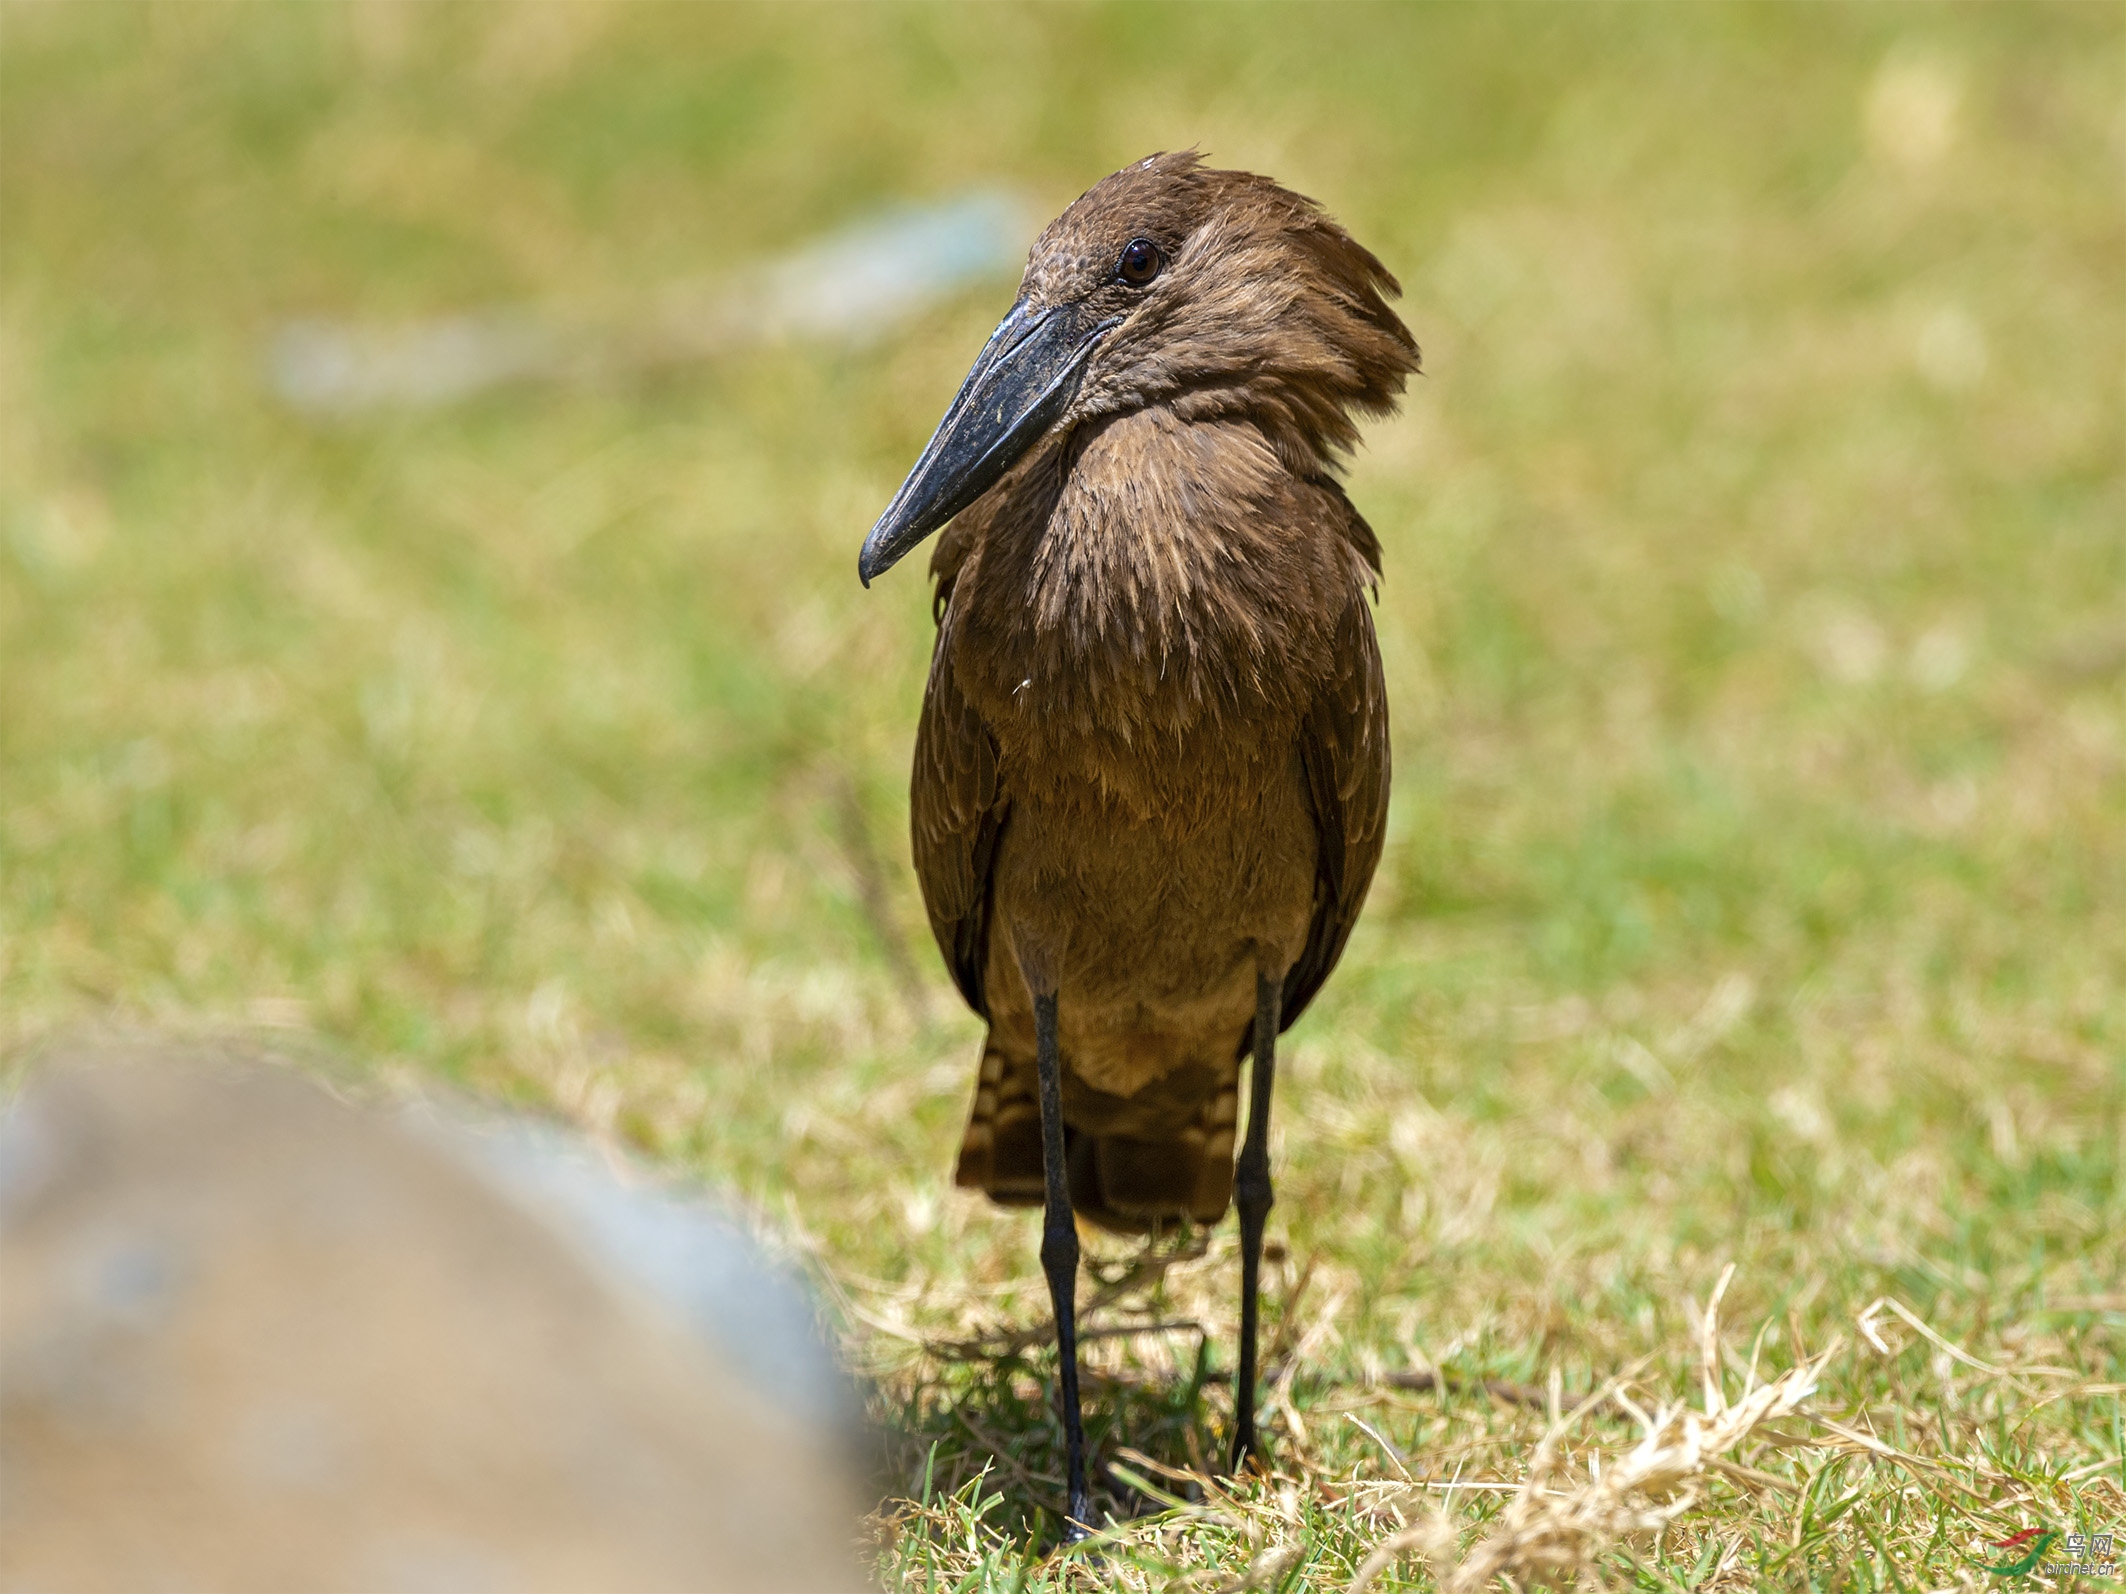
429 632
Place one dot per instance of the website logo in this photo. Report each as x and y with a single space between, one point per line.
2082 1554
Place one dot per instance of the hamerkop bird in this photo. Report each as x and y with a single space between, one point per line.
1152 769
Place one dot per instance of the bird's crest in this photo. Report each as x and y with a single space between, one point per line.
1265 306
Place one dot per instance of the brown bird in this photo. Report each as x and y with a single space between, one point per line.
1152 770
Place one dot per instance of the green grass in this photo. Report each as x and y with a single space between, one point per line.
1756 631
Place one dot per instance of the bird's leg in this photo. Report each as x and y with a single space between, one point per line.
1059 1257
1252 1194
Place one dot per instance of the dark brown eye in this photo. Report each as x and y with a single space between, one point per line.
1140 262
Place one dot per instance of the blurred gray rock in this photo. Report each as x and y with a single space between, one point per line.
252 1337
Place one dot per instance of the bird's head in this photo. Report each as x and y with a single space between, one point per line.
1216 294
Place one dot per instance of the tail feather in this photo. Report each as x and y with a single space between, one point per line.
1124 1183
1001 1150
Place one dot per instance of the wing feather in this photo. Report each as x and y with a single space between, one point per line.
956 813
1344 749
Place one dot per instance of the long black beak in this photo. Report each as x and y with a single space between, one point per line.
1026 376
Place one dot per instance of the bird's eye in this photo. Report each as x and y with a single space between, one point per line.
1140 262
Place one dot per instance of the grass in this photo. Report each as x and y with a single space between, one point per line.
1756 630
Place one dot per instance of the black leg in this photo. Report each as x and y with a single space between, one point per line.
1059 1257
1252 1194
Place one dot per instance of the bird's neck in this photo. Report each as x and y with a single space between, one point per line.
1147 587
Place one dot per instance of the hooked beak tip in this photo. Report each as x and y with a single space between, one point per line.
875 559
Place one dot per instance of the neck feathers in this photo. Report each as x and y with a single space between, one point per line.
1149 583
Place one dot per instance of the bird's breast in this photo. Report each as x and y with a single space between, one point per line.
1147 597
1141 629
1155 923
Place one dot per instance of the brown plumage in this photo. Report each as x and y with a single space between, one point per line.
1151 774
